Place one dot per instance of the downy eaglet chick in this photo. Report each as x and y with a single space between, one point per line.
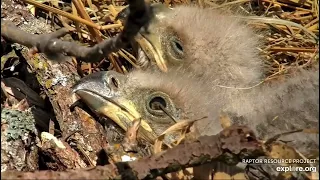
268 109
203 41
211 65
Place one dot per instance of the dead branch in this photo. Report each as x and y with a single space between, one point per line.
230 146
56 80
49 43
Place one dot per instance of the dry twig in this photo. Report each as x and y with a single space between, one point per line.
49 43
230 145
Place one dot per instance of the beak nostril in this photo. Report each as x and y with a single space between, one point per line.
115 82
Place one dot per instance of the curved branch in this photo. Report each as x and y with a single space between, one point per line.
138 17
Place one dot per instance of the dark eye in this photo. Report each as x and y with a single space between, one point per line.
176 48
160 108
157 103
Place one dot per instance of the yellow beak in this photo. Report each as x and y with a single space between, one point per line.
101 97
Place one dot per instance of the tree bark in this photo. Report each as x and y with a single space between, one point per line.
229 146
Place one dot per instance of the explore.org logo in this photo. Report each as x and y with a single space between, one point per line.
286 165
295 169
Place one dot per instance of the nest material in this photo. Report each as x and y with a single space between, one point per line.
291 39
290 29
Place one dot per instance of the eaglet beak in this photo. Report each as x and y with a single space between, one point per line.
149 38
100 93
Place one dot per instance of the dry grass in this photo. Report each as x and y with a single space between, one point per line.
290 30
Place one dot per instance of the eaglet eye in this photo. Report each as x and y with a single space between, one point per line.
177 45
176 49
161 108
157 103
